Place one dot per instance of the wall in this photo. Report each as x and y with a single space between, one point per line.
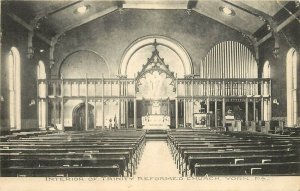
289 37
109 36
15 35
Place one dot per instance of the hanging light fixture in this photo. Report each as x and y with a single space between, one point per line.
227 11
82 9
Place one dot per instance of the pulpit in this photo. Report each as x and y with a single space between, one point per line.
201 120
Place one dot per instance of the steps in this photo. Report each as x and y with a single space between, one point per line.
156 134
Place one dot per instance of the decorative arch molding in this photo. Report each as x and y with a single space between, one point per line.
58 69
170 43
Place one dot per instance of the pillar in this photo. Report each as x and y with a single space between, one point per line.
176 112
134 106
86 104
120 109
216 113
62 105
102 103
95 106
262 117
192 113
254 110
246 111
223 111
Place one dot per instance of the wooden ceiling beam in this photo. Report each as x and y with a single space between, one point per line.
45 13
280 27
259 14
29 27
192 4
246 8
149 5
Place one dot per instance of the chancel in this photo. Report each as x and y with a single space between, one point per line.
110 88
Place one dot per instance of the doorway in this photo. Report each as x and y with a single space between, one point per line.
79 117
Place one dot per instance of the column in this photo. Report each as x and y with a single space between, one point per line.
192 113
134 106
269 101
176 105
246 110
38 104
126 104
54 104
102 103
46 105
184 106
126 113
216 113
207 105
223 111
86 104
262 109
119 102
184 112
62 104
254 110
95 107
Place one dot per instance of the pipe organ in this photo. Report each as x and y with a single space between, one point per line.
228 60
227 74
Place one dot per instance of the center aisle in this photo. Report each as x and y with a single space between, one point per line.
157 161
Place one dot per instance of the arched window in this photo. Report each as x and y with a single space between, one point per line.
266 110
291 87
42 104
266 70
14 82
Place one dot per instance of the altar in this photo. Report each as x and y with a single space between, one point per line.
156 121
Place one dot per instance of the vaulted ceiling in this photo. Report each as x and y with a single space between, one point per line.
54 18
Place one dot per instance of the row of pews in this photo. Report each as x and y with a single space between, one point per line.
96 153
205 152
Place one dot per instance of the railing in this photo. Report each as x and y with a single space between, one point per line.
186 87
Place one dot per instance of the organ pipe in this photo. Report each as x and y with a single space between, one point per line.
227 60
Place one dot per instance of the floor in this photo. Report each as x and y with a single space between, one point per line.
157 161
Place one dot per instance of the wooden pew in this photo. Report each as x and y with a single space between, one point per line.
248 169
46 162
222 153
35 157
93 147
53 171
235 159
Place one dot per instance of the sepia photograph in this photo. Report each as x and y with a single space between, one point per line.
150 95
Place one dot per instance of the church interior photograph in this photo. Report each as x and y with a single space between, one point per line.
150 88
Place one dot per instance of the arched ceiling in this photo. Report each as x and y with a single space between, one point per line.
55 18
